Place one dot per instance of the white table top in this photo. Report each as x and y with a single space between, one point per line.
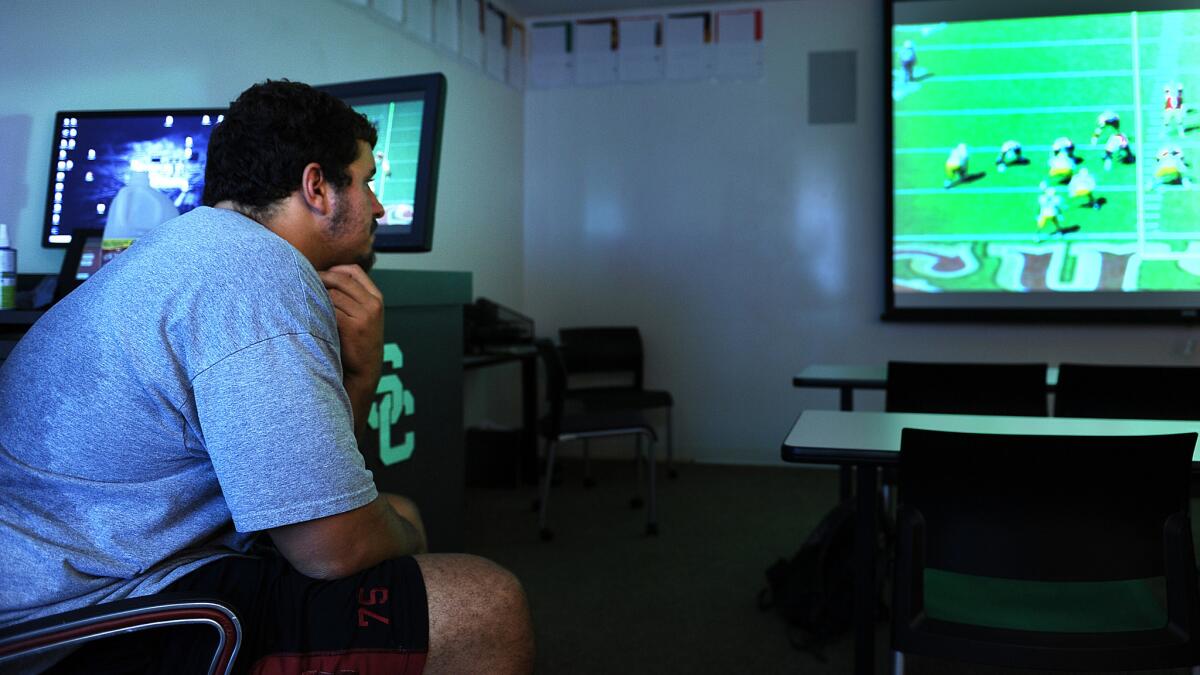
850 437
864 376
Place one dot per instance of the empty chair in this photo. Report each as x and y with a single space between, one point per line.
72 629
614 356
1046 552
1133 392
568 421
967 388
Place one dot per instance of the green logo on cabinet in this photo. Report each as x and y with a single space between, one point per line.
392 401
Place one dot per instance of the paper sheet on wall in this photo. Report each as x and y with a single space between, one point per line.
419 19
595 54
640 57
472 31
496 59
516 55
550 55
392 9
689 51
446 24
739 44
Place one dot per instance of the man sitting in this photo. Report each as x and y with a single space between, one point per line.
206 388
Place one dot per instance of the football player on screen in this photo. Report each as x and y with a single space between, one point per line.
956 166
1081 189
1170 168
1173 109
1049 212
1064 146
1117 148
1010 155
1106 121
1061 168
908 60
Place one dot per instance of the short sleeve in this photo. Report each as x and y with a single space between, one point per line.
277 425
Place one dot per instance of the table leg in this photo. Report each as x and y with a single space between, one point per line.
865 584
529 416
845 474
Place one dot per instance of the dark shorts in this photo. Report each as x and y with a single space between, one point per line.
376 621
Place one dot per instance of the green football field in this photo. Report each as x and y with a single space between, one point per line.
399 127
1034 80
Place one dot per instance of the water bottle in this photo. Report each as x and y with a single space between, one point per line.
8 271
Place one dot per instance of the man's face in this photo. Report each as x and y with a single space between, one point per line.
351 233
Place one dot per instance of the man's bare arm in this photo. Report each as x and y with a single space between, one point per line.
358 305
337 546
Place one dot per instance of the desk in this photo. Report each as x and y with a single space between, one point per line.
527 355
848 378
869 440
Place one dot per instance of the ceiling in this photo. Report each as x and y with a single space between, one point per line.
535 8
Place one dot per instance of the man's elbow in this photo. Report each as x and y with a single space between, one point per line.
325 570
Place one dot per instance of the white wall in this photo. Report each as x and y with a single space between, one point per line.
66 54
744 242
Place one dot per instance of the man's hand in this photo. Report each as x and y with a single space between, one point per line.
340 545
358 305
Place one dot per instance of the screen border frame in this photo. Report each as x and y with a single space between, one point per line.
432 88
1179 314
48 205
70 264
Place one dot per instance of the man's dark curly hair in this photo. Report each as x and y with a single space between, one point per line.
272 131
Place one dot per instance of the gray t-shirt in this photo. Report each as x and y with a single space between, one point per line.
185 397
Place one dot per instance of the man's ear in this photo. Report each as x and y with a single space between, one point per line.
317 191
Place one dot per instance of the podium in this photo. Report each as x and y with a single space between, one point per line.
414 444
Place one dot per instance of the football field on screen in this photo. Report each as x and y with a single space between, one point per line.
1033 81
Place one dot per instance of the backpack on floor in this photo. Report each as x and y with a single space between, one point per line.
814 590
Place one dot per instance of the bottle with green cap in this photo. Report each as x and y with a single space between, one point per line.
8 271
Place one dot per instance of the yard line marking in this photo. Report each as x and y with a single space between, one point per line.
1137 126
1063 75
1009 236
1040 44
1074 74
1049 110
1195 144
1100 190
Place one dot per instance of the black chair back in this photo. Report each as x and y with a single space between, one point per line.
967 388
556 385
1036 515
1045 508
615 349
1134 392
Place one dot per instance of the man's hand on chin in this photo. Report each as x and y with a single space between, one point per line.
358 305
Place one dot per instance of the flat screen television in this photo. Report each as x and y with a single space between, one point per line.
124 171
1042 159
407 112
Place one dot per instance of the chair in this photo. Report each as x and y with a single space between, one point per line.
1046 552
967 388
122 617
613 352
567 421
1134 392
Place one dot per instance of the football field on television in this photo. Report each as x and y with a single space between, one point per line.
1033 81
398 124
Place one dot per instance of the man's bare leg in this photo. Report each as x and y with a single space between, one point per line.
479 618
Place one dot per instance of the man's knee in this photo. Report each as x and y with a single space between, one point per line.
478 614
